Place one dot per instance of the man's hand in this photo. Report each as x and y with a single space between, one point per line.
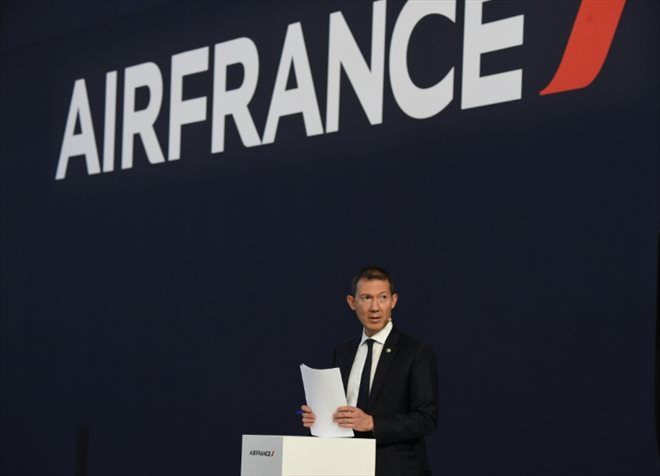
352 417
307 416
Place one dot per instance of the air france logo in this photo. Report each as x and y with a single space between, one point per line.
584 55
268 453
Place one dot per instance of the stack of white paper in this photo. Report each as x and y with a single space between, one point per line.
324 392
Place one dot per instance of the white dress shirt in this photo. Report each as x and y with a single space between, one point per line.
353 387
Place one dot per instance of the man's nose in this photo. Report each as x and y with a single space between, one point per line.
373 305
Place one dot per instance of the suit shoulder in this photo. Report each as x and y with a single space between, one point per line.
347 344
406 340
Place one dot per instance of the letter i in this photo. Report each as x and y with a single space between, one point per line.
109 125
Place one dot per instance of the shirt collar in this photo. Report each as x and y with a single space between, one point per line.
380 336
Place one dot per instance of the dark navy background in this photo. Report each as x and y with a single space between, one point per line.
167 307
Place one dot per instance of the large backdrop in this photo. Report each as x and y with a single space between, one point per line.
187 189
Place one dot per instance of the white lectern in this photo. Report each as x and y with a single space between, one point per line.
272 455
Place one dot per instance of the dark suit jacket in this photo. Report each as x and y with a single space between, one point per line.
403 402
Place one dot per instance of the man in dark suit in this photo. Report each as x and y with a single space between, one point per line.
391 381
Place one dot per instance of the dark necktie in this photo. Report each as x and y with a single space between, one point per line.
363 394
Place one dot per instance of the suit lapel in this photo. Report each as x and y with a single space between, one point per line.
345 357
384 362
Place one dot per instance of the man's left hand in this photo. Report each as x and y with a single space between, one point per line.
353 417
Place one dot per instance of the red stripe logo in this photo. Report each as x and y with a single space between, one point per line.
588 45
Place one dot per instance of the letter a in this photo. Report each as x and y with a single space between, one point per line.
83 143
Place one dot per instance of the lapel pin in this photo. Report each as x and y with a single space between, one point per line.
388 350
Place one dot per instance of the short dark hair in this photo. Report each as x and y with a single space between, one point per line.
369 273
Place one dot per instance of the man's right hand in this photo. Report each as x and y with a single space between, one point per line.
307 416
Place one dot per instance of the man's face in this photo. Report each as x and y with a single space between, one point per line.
373 303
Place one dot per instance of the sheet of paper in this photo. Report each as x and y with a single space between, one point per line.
324 392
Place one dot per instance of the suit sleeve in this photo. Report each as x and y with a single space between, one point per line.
421 416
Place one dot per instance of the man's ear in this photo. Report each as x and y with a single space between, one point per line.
351 301
395 298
